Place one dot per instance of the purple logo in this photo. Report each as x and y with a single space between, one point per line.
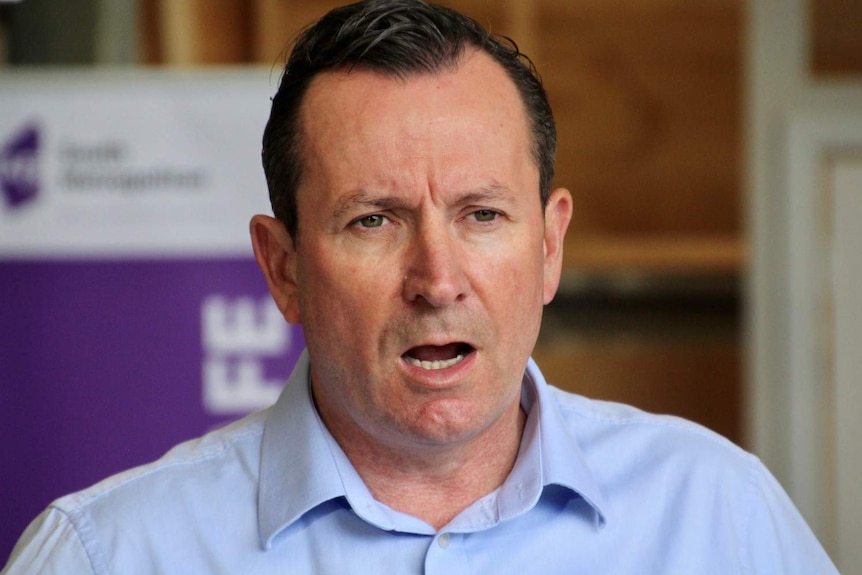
19 167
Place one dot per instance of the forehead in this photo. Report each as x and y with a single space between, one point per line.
363 111
472 70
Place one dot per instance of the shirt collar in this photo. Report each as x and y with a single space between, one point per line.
302 466
297 471
559 457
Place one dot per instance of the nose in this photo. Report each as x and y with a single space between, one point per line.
434 270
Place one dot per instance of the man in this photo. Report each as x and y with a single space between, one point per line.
409 159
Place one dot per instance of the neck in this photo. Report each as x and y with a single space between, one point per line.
436 482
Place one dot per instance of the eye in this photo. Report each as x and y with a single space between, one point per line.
485 215
372 221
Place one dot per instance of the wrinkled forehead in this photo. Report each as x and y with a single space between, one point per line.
351 101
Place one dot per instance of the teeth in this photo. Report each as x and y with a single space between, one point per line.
434 365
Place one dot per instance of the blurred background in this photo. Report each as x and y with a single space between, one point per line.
712 147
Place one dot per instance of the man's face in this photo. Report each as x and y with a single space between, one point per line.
423 259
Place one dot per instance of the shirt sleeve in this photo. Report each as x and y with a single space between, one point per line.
49 546
779 540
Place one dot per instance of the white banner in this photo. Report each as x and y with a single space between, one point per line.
129 162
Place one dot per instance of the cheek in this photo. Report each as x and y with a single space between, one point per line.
521 291
521 278
340 297
511 295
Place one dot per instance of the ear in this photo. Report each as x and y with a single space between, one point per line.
558 213
276 257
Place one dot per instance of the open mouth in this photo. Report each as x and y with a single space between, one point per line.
434 357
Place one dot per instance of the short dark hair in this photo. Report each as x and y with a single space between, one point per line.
399 38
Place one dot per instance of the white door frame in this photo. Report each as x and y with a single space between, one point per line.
796 126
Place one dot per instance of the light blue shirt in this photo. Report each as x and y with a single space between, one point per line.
597 488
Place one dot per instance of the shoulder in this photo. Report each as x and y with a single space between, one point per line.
672 484
220 456
619 438
609 415
201 493
660 470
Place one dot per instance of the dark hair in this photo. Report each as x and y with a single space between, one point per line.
399 38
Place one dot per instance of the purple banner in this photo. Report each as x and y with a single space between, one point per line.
106 364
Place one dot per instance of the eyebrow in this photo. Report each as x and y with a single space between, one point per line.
493 191
364 199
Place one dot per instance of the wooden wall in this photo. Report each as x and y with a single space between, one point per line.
836 38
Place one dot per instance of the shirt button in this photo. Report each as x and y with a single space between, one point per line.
443 540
